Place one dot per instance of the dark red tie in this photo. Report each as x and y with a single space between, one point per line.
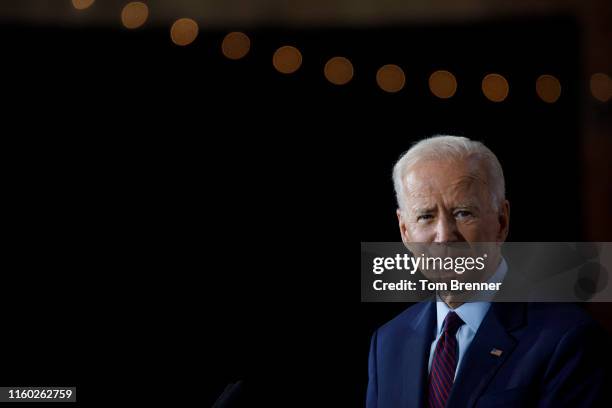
444 362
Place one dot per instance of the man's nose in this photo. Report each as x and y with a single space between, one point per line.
446 230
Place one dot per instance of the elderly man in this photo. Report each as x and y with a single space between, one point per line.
452 354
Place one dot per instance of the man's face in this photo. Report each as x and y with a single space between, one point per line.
450 201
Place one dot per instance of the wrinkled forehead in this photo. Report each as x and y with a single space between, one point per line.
455 180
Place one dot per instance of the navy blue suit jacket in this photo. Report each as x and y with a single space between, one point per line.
553 355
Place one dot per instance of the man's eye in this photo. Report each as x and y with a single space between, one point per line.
463 214
424 217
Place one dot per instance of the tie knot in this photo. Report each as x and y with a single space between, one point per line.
452 322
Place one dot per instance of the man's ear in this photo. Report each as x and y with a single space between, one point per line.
402 226
504 221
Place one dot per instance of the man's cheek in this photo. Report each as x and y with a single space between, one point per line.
481 230
420 234
472 232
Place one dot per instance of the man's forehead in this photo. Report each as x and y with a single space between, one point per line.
425 181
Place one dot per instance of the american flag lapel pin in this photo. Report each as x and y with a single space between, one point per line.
496 352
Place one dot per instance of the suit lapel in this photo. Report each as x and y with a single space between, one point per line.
416 357
478 366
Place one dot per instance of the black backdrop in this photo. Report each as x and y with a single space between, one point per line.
176 220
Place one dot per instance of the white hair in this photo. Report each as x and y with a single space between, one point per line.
448 148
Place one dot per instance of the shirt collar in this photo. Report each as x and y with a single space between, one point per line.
472 313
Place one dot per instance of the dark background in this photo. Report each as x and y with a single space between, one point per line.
176 220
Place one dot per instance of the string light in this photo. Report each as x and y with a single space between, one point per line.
134 14
601 86
184 31
82 4
548 88
495 87
236 45
443 84
338 70
390 78
287 59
